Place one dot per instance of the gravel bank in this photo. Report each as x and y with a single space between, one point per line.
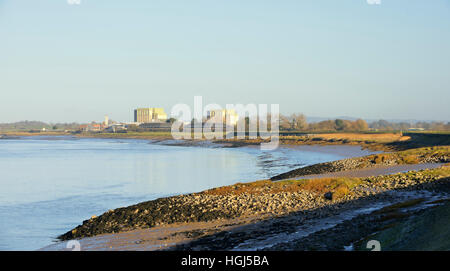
416 156
265 199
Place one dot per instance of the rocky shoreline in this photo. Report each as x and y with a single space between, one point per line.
355 233
313 231
415 156
267 200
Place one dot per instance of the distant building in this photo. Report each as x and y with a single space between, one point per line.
223 115
106 122
114 128
92 127
84 127
148 115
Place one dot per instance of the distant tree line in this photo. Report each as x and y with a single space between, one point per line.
37 125
386 125
298 122
293 122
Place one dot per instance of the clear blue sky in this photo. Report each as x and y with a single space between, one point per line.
63 63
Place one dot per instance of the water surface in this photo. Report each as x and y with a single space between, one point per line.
50 185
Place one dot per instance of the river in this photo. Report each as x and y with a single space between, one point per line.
49 185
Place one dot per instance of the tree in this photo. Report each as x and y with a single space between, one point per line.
293 122
340 124
326 125
285 124
299 122
361 125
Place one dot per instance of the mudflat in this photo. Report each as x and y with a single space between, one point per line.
257 215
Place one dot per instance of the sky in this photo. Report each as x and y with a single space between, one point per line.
77 63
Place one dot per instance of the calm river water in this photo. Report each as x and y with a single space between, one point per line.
50 185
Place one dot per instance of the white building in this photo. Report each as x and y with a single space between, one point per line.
222 116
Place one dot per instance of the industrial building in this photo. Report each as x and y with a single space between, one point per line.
149 115
222 116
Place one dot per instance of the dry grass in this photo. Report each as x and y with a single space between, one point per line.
410 159
438 150
240 188
412 156
387 137
339 186
380 158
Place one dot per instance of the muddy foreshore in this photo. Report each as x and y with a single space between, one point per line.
275 203
341 228
398 227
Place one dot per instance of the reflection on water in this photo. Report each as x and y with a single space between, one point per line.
50 185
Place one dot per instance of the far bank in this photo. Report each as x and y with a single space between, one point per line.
376 141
